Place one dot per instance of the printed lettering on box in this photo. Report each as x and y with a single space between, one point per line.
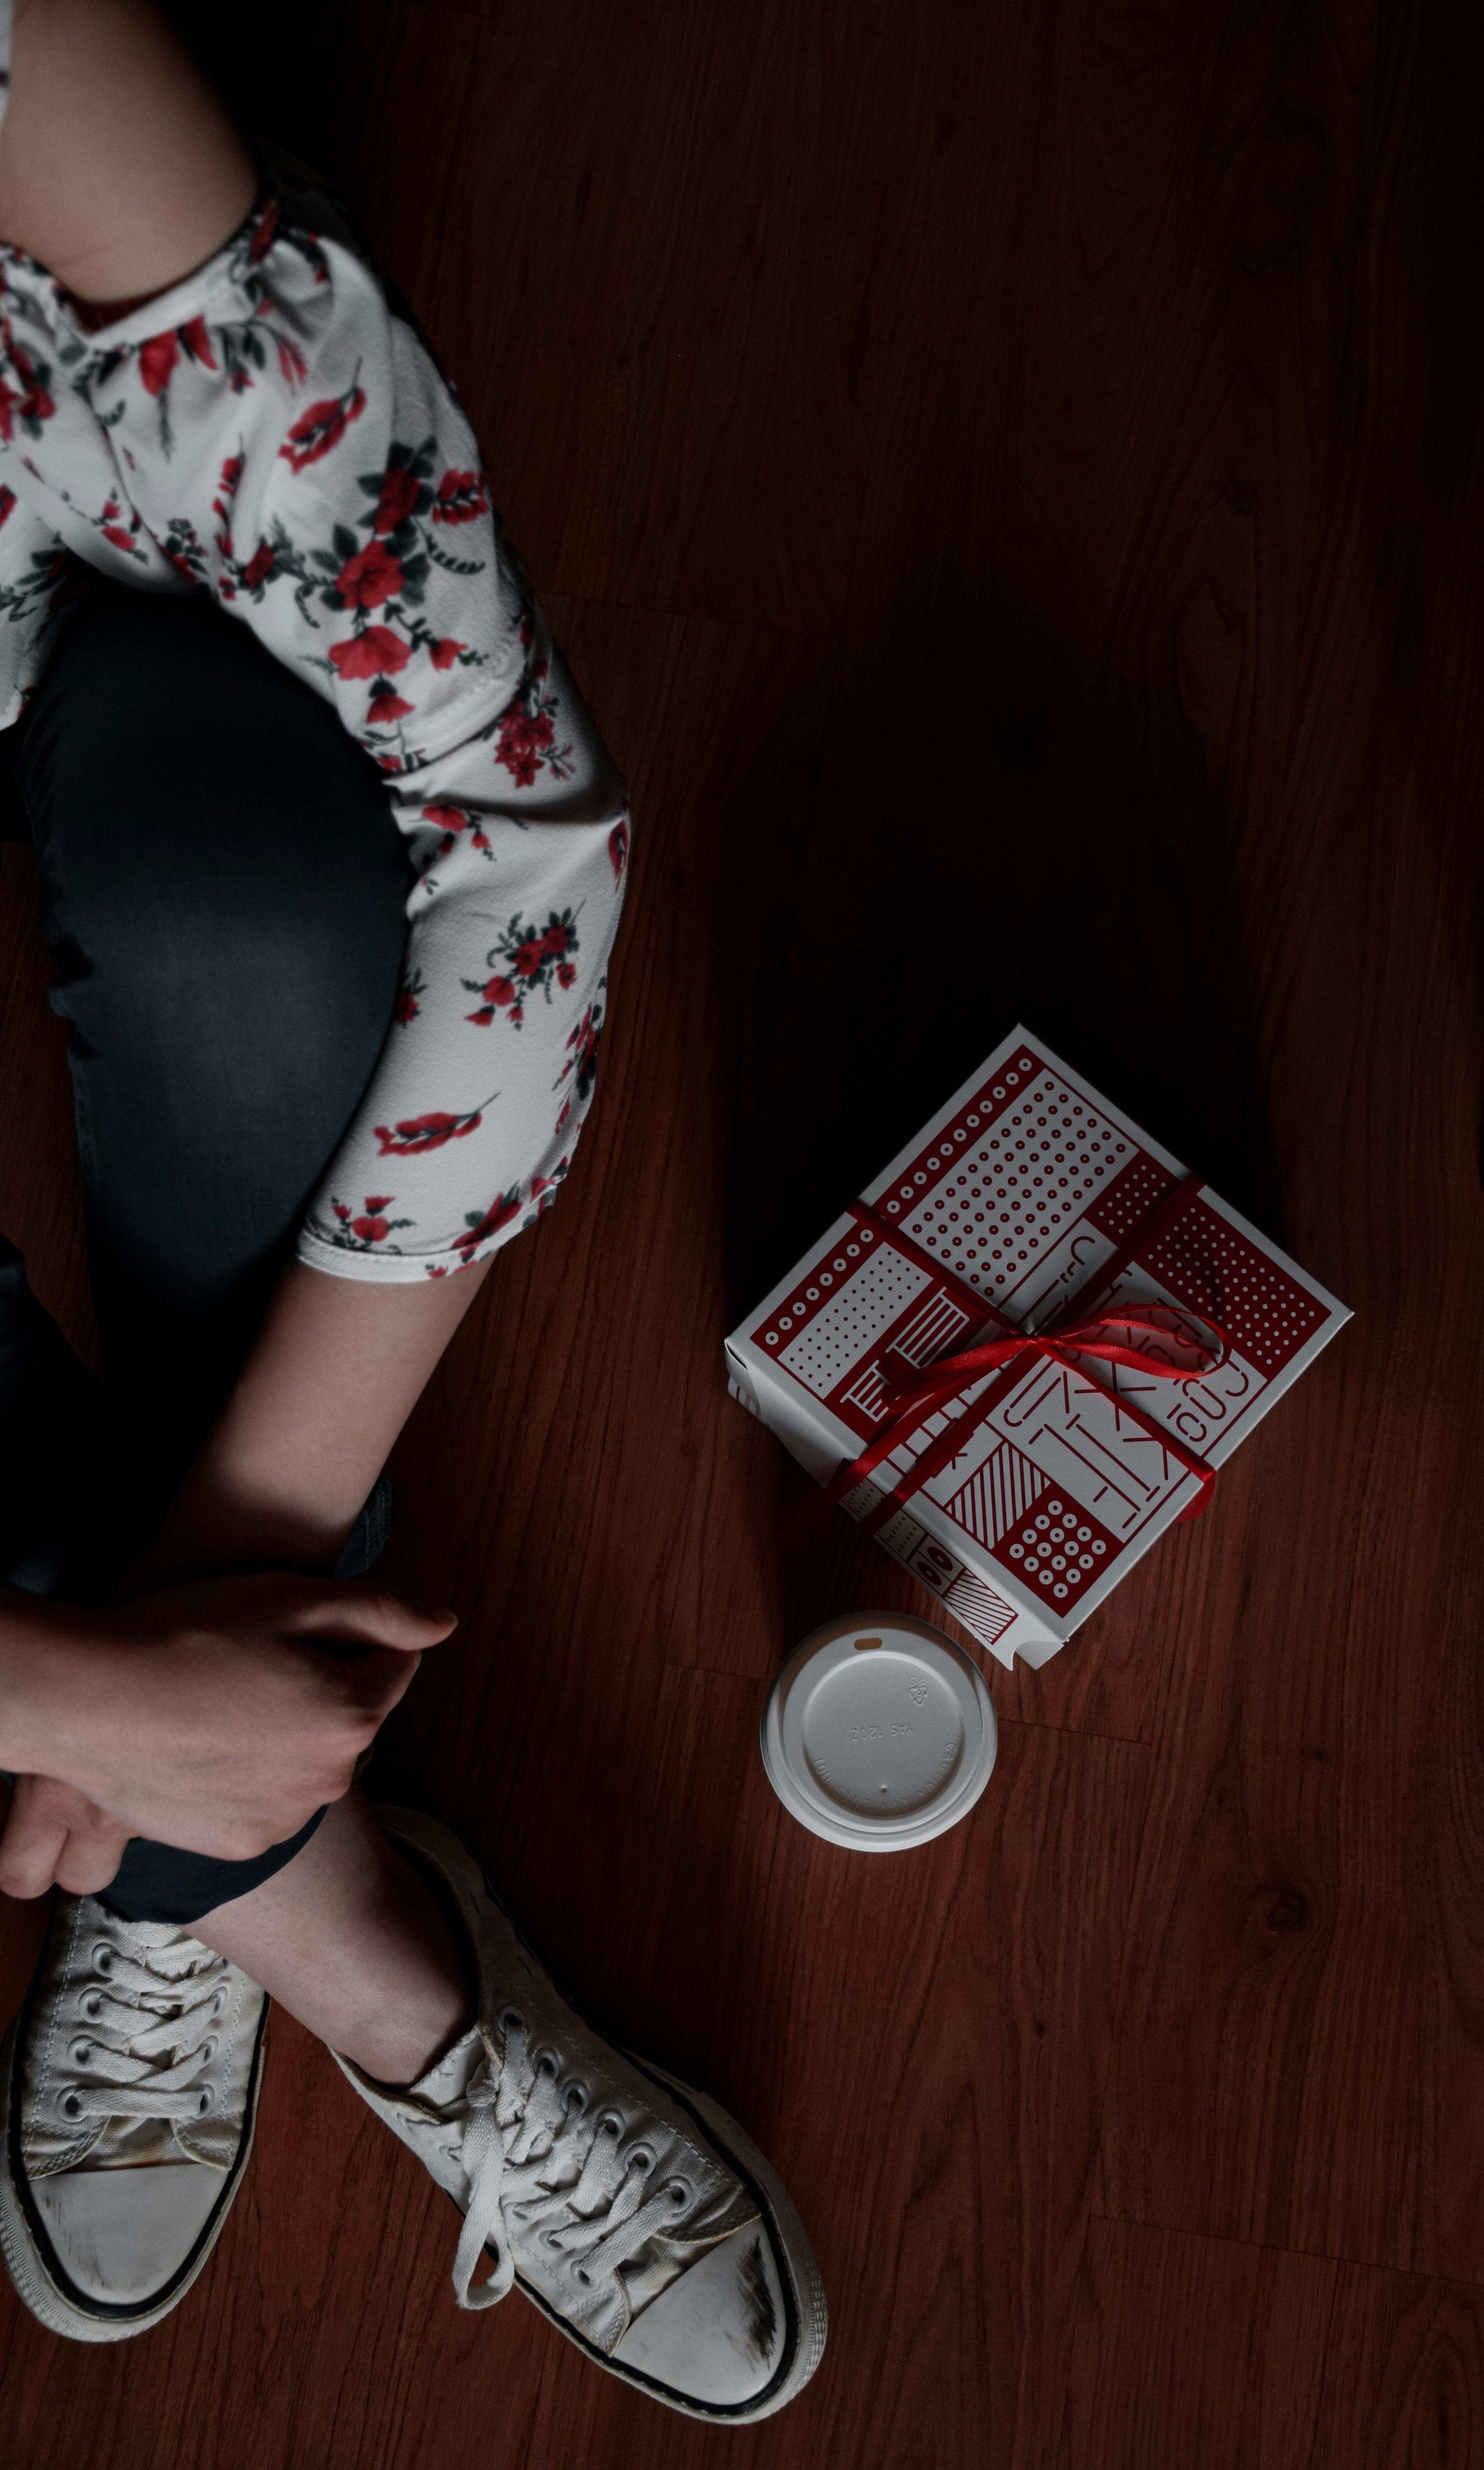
1074 1431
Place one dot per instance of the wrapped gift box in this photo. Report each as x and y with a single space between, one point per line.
1027 1204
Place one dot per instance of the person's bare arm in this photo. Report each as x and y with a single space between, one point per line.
119 167
334 1374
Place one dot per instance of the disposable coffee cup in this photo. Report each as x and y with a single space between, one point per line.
878 1733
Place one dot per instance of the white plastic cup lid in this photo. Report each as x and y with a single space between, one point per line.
878 1733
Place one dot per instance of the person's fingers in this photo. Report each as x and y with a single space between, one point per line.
351 1613
89 1859
31 1845
378 1678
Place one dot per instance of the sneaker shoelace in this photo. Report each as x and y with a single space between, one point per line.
532 2154
147 2034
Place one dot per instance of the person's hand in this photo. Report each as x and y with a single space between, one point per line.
216 1717
55 1835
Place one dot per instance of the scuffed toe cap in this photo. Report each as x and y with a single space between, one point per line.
121 2236
717 2337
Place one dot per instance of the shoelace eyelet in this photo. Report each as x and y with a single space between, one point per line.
91 2005
208 2049
581 2273
642 2158
609 2123
70 2102
576 2097
80 2053
207 2099
103 1958
510 2019
680 2194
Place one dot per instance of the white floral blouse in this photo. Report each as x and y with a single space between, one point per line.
271 431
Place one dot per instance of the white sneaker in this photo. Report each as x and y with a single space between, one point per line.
129 2088
631 2210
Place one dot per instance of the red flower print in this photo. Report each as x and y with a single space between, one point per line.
530 958
460 497
33 405
263 236
582 1048
7 503
419 1134
497 993
544 1186
231 474
321 427
197 343
113 529
292 366
566 973
524 739
502 1208
156 359
407 1008
387 704
369 577
618 849
451 822
259 566
444 654
372 1227
369 653
400 492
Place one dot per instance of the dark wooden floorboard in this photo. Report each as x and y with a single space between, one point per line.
1245 2357
1008 479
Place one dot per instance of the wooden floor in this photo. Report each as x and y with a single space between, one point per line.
1007 474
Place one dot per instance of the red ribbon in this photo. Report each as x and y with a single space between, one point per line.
1063 1339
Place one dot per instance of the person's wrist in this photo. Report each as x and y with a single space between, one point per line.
53 1658
220 1526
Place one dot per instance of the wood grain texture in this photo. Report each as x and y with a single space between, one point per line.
1242 2358
1008 482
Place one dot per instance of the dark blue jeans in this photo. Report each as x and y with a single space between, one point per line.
226 895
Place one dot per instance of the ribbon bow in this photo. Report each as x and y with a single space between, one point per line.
916 1389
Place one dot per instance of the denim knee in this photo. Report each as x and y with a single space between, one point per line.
225 894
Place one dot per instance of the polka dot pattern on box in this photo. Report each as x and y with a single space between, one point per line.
1130 1196
850 1324
1015 1189
1058 1551
1266 1315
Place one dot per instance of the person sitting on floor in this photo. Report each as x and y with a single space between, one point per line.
333 858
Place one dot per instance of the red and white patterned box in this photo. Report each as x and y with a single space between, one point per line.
1017 1195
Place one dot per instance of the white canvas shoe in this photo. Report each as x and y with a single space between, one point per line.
129 2088
630 2209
